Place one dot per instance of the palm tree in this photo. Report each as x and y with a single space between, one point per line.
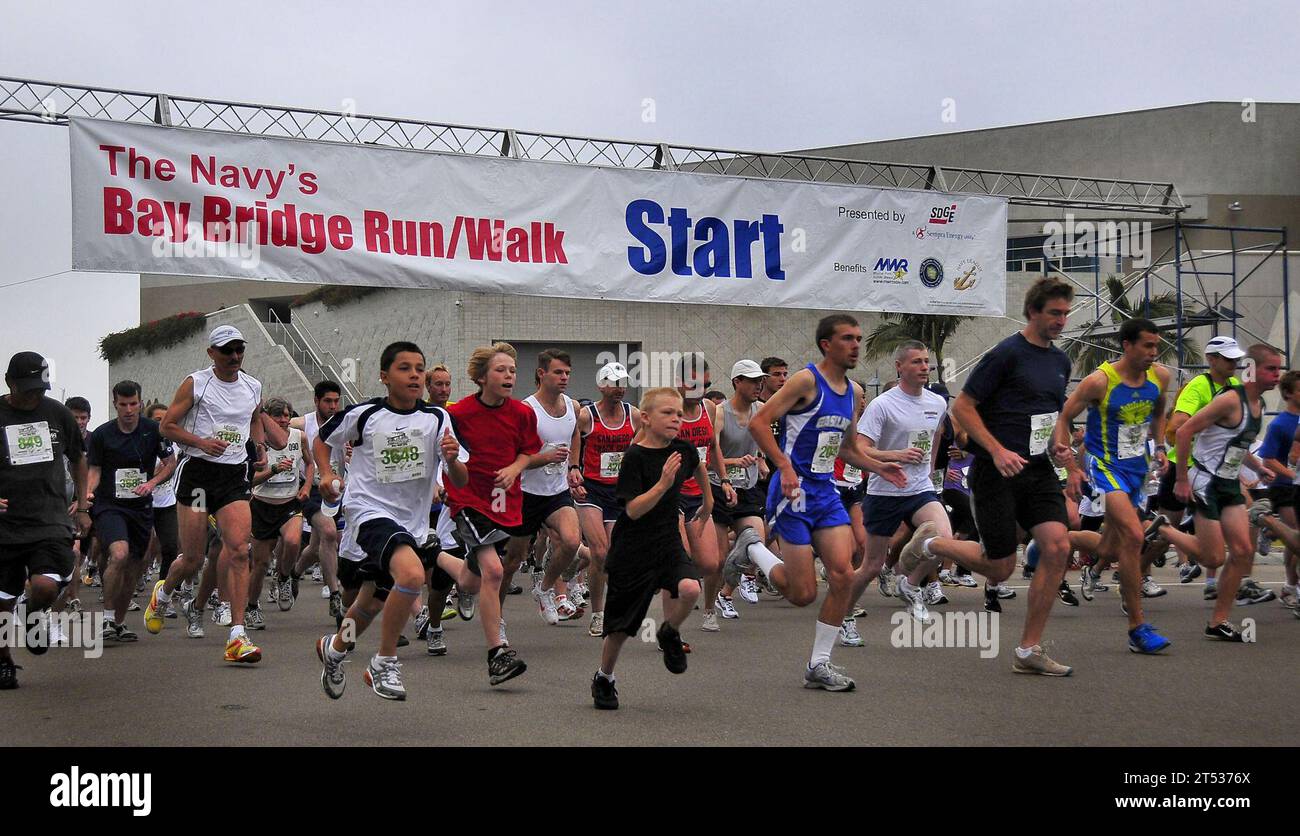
1089 352
894 329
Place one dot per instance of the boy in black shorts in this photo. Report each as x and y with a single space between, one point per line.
645 552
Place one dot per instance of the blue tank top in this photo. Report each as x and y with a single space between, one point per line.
811 437
1119 424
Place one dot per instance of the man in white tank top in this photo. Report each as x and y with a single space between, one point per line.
214 413
548 506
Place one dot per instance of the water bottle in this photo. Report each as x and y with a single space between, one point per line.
331 509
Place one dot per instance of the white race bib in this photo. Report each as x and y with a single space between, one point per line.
29 443
230 434
277 456
852 475
738 476
828 449
1132 440
126 480
1231 467
921 439
399 456
610 464
1040 432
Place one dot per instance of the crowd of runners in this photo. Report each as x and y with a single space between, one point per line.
411 509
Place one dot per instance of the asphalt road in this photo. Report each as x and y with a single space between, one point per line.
743 686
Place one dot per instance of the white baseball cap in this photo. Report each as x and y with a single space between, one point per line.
747 368
611 373
1224 347
223 334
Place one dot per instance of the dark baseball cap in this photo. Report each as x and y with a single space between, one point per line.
28 372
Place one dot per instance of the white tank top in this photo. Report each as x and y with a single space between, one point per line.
553 478
283 486
225 411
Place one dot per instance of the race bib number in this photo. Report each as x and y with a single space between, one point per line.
1062 474
1231 467
29 443
290 475
1132 440
922 440
852 475
126 480
553 468
610 463
738 476
1040 432
828 449
230 434
399 456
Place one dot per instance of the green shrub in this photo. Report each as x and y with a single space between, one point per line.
152 336
334 295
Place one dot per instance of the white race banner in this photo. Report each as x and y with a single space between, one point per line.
170 200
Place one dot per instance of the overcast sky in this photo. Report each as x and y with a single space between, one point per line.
746 75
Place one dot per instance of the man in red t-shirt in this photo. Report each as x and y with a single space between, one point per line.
500 434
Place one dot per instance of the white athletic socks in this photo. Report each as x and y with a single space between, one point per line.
823 642
163 597
335 655
608 677
766 561
1024 652
236 631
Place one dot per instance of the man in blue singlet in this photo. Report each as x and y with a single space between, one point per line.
1126 408
815 409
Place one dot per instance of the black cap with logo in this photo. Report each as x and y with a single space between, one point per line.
28 372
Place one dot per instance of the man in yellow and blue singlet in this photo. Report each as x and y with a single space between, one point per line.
1126 407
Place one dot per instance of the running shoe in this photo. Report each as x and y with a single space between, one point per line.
213 600
315 574
934 594
1152 532
240 649
153 618
725 606
221 614
946 578
765 585
422 624
546 605
1264 542
827 678
403 641
1066 595
1251 592
849 635
125 634
515 589
1189 572
603 693
1087 583
74 605
1151 589
1223 632
709 624
1005 592
505 664
466 605
134 606
109 632
748 589
384 676
1259 508
1144 639
284 595
254 620
325 592
597 628
193 619
8 674
331 675
887 583
966 579
858 612
915 598
738 561
1040 663
435 645
449 611
569 610
991 603
1289 598
670 642
1211 592
272 592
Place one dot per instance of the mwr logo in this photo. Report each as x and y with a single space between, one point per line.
894 269
944 214
931 272
110 789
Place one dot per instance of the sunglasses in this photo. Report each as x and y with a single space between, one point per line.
231 348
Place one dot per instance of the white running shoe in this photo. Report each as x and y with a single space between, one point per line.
965 580
325 592
726 607
221 614
934 594
849 635
545 599
826 677
710 623
915 598
748 589
888 583
1151 589
597 628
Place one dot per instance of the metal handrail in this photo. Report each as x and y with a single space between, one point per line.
300 341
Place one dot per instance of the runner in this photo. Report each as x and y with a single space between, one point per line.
548 502
607 428
164 511
1008 408
215 411
646 553
323 546
128 459
1223 432
815 408
39 436
1125 400
399 445
852 487
279 490
1276 455
500 434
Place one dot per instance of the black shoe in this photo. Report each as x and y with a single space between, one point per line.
1067 597
991 599
515 589
1224 632
8 675
293 585
603 693
403 641
1152 533
124 634
504 664
670 642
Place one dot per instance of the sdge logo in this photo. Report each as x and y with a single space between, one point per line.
706 246
944 214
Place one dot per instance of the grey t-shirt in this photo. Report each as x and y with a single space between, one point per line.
33 448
